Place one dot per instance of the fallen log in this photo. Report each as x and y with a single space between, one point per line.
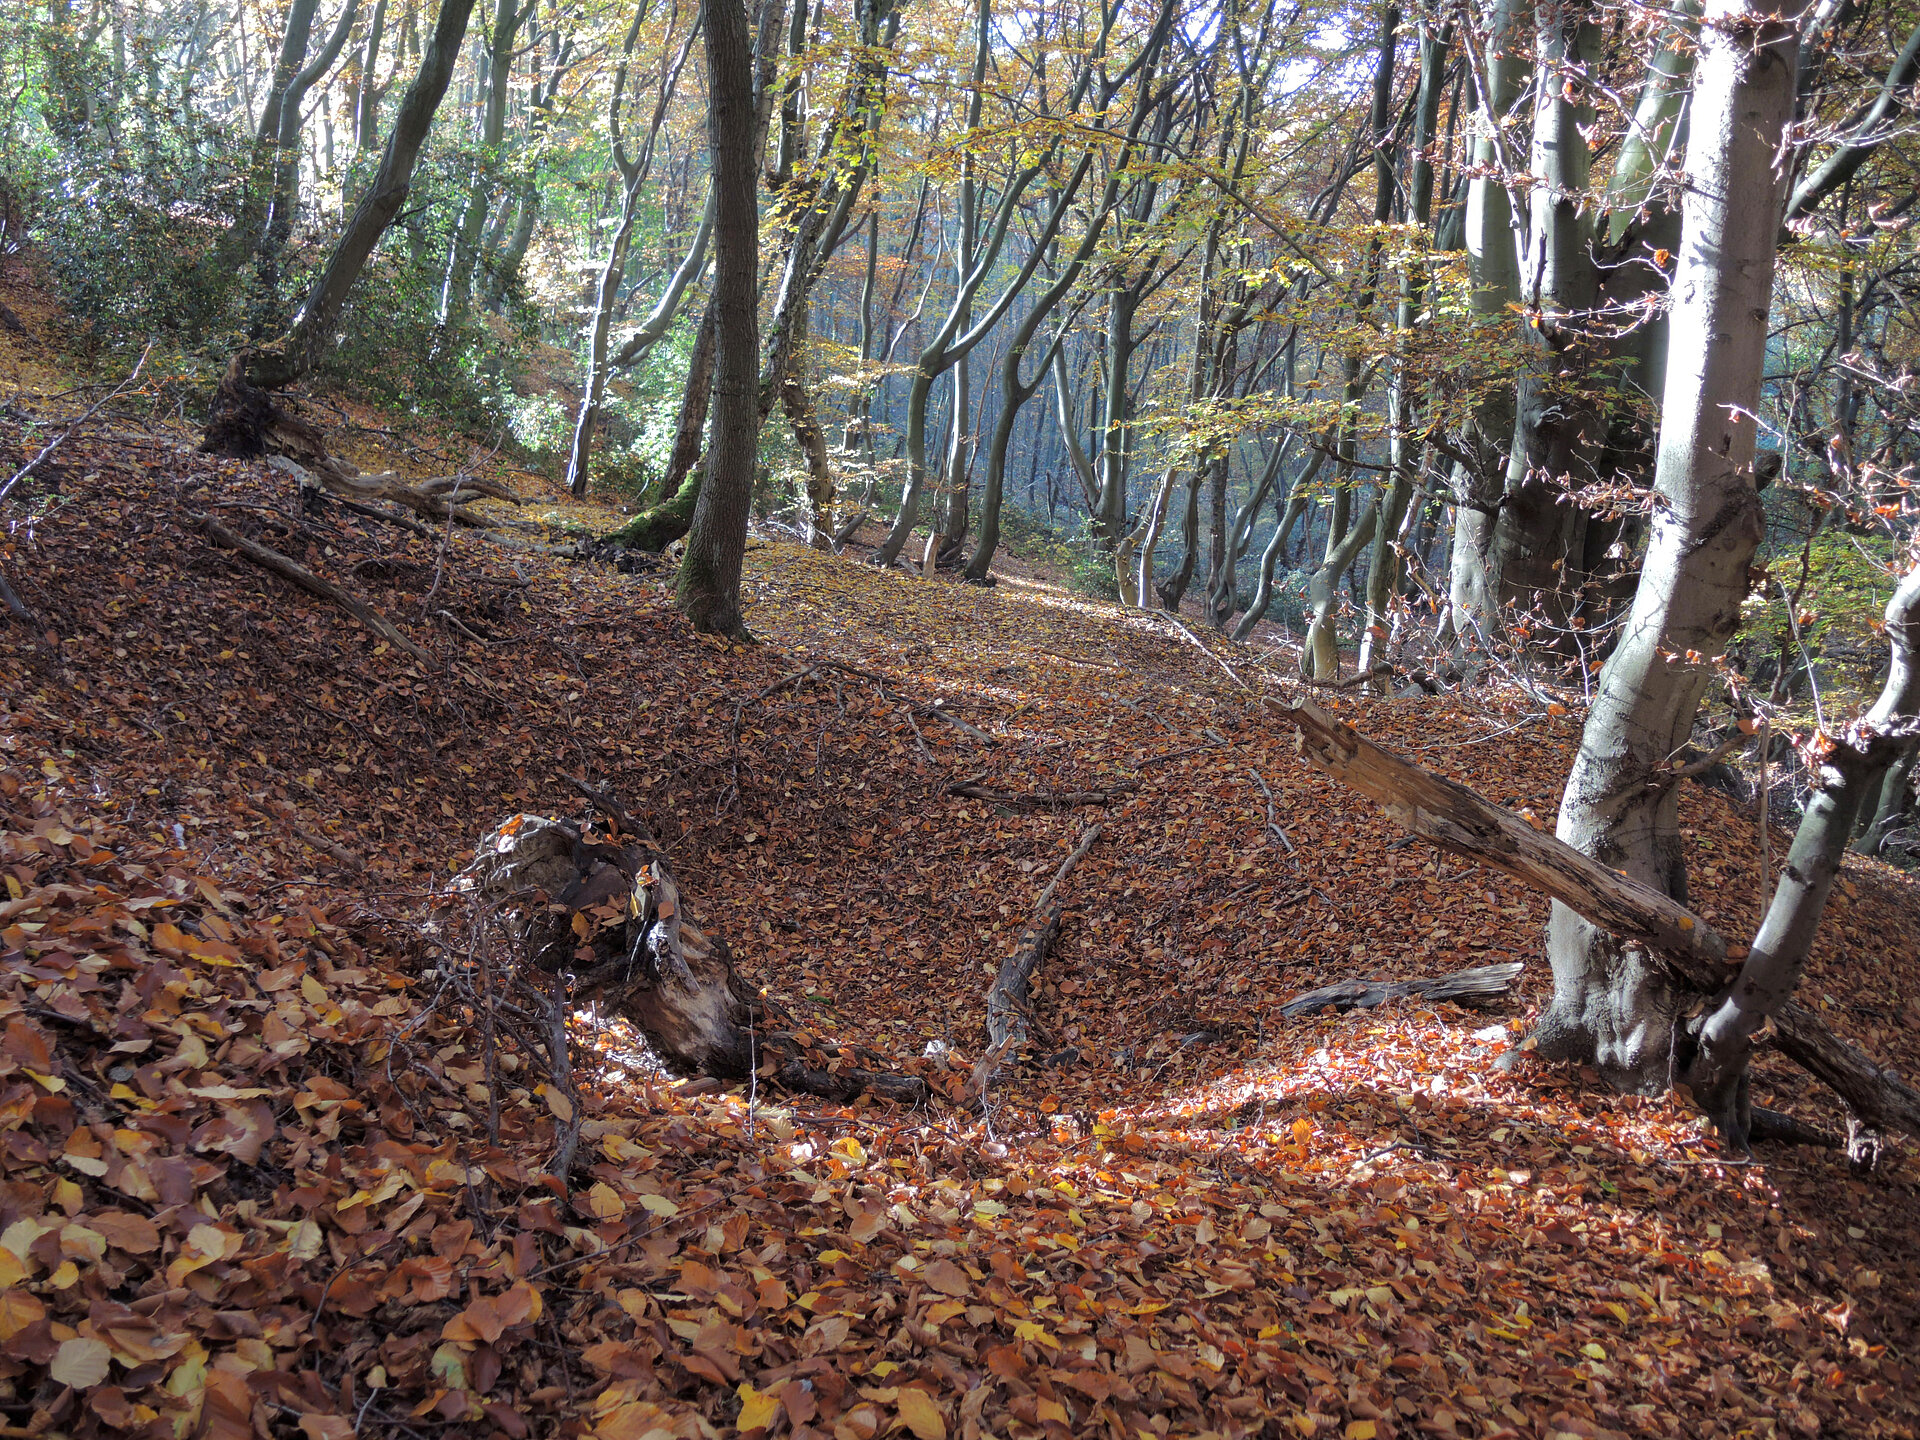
1464 987
1008 1000
298 574
608 911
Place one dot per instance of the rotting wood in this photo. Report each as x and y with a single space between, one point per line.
1476 986
608 911
1043 799
1008 1000
298 574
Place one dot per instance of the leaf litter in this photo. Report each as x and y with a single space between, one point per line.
261 1177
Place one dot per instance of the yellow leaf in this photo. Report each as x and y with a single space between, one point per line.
921 1415
758 1410
1592 1351
1033 1330
1361 1430
605 1202
1051 1410
659 1205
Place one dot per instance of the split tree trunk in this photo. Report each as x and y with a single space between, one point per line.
1612 1008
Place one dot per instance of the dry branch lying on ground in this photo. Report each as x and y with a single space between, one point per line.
1464 987
298 574
1042 799
1007 1001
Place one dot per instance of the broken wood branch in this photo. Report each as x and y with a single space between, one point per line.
298 574
1694 954
1008 1000
1042 799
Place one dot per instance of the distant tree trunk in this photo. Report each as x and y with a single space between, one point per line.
242 410
366 99
1493 268
669 517
284 202
1611 1007
1344 545
709 586
456 293
633 170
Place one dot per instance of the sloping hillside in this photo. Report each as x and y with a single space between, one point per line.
272 1169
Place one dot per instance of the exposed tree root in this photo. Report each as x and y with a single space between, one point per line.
247 422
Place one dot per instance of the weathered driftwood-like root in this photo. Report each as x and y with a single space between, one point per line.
1476 986
298 574
248 422
1693 953
608 911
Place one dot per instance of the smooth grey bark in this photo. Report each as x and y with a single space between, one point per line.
1502 72
1537 534
1323 642
1890 805
1849 767
1611 1008
1277 544
709 583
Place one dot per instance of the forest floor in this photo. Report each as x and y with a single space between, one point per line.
267 1171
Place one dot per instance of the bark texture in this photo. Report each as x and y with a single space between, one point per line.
1612 1008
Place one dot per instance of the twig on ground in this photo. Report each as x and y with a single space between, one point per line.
1273 824
1043 799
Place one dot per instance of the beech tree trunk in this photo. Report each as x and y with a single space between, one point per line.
1611 1007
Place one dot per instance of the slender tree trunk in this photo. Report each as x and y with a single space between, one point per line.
241 410
669 518
1500 79
1850 767
456 293
1611 1007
